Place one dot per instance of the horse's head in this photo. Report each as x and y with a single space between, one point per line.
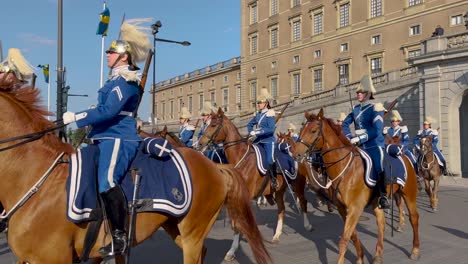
169 136
312 136
392 140
426 144
216 132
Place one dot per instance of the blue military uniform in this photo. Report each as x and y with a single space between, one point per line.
114 128
265 122
403 131
294 136
186 134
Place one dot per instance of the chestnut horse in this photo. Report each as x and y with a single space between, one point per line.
240 152
430 170
346 172
314 178
42 217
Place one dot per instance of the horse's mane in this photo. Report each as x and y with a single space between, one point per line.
28 98
175 138
336 128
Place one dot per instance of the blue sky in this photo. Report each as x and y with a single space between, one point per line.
213 28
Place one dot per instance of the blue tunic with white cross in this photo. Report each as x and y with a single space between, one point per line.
265 132
403 132
368 125
113 126
435 141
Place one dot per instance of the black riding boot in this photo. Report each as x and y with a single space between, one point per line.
444 168
115 205
272 174
383 201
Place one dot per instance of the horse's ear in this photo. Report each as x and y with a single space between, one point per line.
306 115
289 133
220 111
164 131
320 114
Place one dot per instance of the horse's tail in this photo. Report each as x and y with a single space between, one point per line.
238 206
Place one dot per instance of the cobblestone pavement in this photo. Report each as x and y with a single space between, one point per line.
443 235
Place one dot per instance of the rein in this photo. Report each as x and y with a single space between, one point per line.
6 216
28 137
311 149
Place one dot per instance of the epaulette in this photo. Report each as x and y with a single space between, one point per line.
190 127
379 107
434 132
420 132
404 129
270 113
385 130
130 76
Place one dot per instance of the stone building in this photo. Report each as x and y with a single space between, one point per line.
311 54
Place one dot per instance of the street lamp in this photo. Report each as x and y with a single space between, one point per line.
465 18
155 29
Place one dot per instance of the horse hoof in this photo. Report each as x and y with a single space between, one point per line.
399 229
309 228
377 260
229 257
434 209
415 256
275 240
330 209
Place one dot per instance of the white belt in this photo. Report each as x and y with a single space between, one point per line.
125 113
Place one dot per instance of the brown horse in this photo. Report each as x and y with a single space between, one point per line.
43 215
346 172
239 152
315 179
430 170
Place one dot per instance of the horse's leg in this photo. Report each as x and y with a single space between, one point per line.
401 210
329 203
435 192
231 254
299 188
427 186
380 218
409 197
350 217
279 199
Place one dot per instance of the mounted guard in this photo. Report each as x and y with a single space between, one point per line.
114 129
215 153
186 130
15 70
368 124
427 131
264 132
396 131
291 129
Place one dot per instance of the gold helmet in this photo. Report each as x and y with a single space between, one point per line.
429 120
396 116
366 86
207 108
342 117
185 113
264 96
134 41
17 64
291 126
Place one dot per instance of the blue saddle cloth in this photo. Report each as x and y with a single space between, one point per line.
393 164
286 161
261 158
165 186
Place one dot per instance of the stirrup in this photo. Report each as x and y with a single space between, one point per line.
383 202
118 246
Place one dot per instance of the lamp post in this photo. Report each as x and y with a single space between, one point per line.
155 29
465 18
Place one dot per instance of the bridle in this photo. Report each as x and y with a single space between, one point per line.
212 138
424 153
311 149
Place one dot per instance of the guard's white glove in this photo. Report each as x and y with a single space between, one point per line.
68 117
355 140
252 133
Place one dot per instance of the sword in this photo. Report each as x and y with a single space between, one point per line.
289 187
133 208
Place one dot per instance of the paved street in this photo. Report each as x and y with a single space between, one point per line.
443 235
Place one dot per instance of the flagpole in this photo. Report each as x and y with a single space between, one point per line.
102 54
48 99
